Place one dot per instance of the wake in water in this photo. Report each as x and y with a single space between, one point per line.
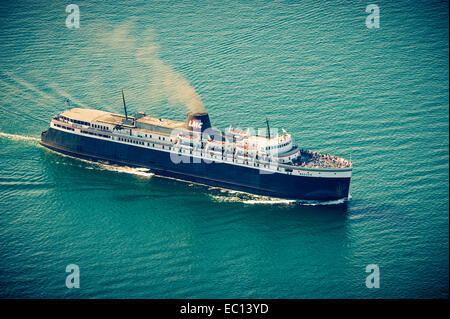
137 171
17 137
142 172
252 199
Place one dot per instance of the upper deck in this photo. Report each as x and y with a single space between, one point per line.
92 116
157 121
141 122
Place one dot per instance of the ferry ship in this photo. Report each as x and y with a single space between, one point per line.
194 151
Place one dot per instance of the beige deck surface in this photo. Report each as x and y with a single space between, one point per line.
97 116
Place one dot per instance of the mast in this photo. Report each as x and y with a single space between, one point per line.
268 127
124 106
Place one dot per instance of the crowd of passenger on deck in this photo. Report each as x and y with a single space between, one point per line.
318 160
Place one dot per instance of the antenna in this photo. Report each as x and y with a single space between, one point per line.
124 106
268 127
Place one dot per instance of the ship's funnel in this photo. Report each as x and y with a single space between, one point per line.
198 122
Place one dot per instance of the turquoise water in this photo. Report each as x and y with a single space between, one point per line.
379 96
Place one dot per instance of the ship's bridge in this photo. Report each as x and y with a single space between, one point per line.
280 146
277 144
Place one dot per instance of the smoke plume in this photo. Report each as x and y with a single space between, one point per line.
166 82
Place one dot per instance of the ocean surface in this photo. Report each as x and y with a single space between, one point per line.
378 96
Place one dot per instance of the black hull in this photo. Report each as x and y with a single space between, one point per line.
222 175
